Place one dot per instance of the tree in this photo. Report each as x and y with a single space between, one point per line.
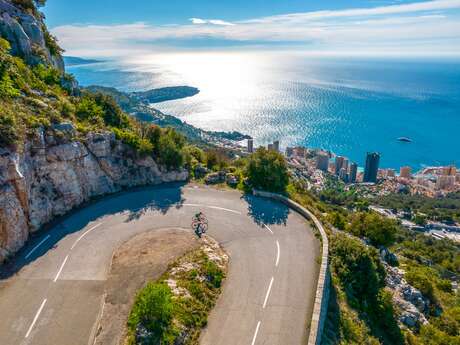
267 170
379 230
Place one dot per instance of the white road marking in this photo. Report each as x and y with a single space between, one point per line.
266 227
60 270
35 318
255 334
84 234
38 245
213 207
277 253
268 293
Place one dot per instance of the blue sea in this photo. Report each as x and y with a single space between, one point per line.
346 105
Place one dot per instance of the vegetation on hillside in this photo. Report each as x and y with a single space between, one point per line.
33 97
445 209
359 281
430 266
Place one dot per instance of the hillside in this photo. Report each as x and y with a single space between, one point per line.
60 146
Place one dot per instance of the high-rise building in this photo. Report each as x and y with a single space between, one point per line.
345 164
372 167
250 145
322 161
405 172
445 182
343 175
450 170
338 164
289 151
353 172
276 145
270 147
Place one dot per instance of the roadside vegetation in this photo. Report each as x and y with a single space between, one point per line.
37 97
430 265
174 309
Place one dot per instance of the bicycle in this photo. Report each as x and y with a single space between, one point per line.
199 224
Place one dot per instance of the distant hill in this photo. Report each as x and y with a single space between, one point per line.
166 94
73 60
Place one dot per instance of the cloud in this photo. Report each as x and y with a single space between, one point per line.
210 21
430 27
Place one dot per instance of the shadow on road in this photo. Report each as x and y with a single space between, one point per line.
134 203
265 211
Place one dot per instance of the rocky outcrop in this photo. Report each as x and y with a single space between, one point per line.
54 173
409 301
28 36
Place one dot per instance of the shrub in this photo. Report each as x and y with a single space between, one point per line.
112 113
379 230
8 129
153 309
51 43
142 146
170 149
7 88
214 274
267 170
358 268
88 110
49 75
422 279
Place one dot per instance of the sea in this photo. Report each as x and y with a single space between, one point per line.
348 105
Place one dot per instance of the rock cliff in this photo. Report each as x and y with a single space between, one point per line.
55 172
25 29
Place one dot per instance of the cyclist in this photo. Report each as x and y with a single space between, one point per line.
199 223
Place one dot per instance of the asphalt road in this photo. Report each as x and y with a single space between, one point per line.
53 290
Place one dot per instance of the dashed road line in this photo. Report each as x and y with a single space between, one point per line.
60 270
84 234
255 333
38 245
266 227
268 293
36 318
277 253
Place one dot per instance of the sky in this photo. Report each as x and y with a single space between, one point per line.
117 28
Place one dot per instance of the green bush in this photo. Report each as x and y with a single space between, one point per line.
8 129
7 88
379 230
142 146
214 274
88 110
112 113
170 148
423 279
358 268
51 44
49 75
153 309
267 170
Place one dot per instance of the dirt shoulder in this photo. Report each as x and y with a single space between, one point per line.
141 259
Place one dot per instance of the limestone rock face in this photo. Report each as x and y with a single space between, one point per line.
54 173
409 300
26 33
